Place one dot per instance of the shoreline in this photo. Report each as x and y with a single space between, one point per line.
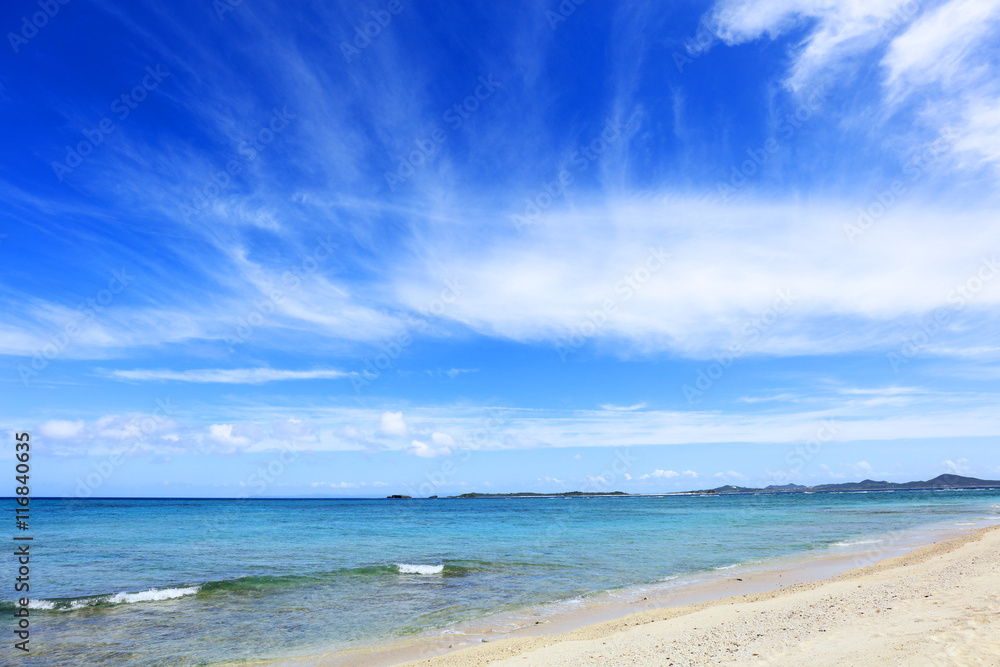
480 642
936 604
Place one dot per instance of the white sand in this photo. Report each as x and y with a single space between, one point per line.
939 605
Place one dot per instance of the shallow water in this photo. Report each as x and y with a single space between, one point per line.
180 582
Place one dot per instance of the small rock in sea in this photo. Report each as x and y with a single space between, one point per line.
484 640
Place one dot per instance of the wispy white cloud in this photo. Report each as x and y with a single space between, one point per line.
768 399
451 372
839 30
940 47
728 265
945 52
881 391
959 467
227 375
623 408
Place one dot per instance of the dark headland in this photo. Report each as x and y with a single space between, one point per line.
938 483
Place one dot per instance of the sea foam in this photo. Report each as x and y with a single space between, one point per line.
151 595
406 568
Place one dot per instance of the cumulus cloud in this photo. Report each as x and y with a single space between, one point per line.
131 434
663 474
59 429
436 448
223 434
392 424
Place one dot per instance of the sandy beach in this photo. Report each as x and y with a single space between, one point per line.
937 605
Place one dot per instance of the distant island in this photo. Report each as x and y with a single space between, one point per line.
528 494
938 483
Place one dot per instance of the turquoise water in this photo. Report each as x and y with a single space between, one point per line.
183 582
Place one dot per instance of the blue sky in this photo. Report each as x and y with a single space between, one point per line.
382 247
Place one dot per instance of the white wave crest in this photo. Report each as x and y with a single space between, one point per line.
151 595
406 568
41 604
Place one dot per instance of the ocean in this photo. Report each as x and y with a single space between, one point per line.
197 582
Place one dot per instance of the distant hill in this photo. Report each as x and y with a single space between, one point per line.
939 482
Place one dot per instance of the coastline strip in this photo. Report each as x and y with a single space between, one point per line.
938 604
